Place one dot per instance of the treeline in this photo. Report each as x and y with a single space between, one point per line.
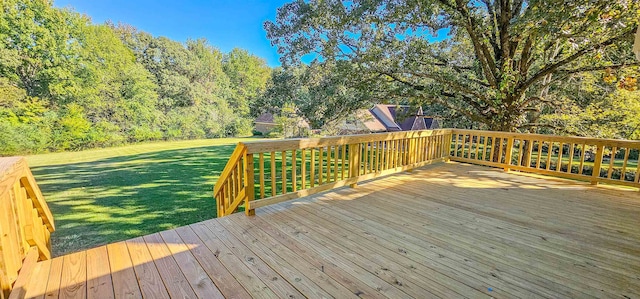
69 84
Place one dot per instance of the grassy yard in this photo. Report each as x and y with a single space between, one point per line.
106 195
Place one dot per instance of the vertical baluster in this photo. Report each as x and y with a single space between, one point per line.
273 173
492 149
320 165
539 158
612 158
637 177
303 169
463 145
520 149
484 148
529 152
387 155
312 169
509 153
559 163
370 157
470 146
597 166
570 165
500 149
294 175
549 151
582 153
328 177
261 176
344 154
335 163
623 174
283 164
455 149
477 147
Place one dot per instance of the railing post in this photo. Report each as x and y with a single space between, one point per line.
249 184
507 157
354 162
597 165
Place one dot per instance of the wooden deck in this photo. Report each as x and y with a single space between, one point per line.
446 230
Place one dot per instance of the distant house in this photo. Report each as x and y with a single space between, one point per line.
387 118
265 123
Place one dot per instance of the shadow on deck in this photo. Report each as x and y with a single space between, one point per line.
446 230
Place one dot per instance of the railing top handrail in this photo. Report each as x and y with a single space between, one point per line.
264 146
16 168
574 139
238 152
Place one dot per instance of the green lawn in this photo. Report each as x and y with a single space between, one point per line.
106 195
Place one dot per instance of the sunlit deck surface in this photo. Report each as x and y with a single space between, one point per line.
446 230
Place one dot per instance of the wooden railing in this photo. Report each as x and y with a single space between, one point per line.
596 160
26 222
263 173
267 172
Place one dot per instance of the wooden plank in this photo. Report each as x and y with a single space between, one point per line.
241 270
149 280
224 280
350 181
39 279
328 175
174 280
199 280
493 145
9 243
311 281
99 283
261 175
123 276
21 286
275 281
74 276
55 275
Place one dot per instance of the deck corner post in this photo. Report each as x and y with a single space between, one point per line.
597 164
507 157
447 148
249 184
354 162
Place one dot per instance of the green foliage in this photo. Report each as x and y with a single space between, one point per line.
68 84
502 65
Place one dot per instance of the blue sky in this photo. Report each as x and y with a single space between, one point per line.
226 24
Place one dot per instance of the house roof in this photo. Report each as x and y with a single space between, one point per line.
389 118
265 118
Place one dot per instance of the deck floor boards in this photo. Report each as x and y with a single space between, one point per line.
448 230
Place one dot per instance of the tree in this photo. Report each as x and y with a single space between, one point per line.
499 66
248 75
